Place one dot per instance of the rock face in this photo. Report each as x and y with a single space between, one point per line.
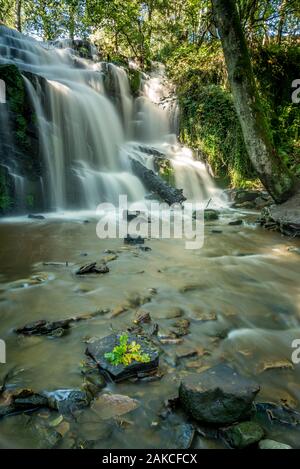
19 146
99 348
284 218
244 434
218 395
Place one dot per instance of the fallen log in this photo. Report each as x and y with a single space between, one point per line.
156 184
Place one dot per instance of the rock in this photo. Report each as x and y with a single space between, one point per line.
142 317
245 205
272 444
99 348
67 401
133 240
144 248
16 401
94 382
48 437
33 216
216 231
274 365
236 222
211 215
276 413
114 405
55 328
242 196
92 269
183 436
294 250
156 184
218 395
131 215
243 434
284 217
181 327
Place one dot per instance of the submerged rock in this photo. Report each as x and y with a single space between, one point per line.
15 401
133 240
55 328
183 436
93 269
99 348
218 395
244 434
235 222
36 217
272 444
209 214
114 405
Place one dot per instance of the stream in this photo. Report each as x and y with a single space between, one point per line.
240 293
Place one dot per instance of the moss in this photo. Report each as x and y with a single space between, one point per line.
17 102
134 77
6 200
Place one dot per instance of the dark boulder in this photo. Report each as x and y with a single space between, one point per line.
133 240
218 395
67 401
99 348
93 269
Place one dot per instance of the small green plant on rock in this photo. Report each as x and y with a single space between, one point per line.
126 353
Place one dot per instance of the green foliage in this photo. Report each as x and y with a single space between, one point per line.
125 353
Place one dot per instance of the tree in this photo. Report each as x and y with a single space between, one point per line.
257 135
18 15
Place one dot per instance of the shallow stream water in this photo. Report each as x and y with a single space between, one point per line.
240 293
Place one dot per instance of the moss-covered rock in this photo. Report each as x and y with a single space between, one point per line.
19 146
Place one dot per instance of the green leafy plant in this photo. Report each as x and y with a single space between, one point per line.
125 353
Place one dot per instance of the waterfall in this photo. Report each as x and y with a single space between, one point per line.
89 125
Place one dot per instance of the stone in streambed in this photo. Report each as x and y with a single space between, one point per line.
92 269
34 216
272 444
243 434
218 395
113 405
209 214
99 348
133 240
67 401
235 223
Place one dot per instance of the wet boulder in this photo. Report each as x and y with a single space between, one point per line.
244 434
218 395
16 401
99 348
67 401
92 268
134 240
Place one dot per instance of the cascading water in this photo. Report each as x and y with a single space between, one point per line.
89 125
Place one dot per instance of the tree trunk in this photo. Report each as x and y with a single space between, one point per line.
18 15
257 135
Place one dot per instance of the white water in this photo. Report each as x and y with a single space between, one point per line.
87 137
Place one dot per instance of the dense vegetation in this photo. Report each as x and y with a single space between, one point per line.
183 35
